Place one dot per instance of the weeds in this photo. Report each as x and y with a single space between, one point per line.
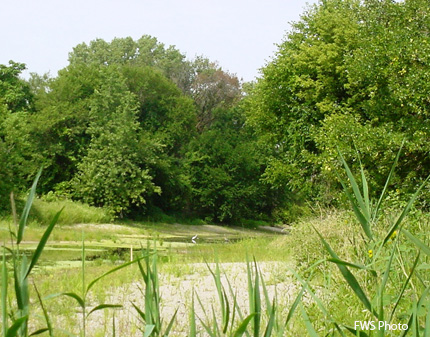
381 278
380 265
18 317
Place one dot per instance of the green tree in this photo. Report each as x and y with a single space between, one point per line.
59 126
144 52
349 75
16 104
225 169
64 123
113 173
304 83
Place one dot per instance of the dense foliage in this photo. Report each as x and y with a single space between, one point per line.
136 127
350 75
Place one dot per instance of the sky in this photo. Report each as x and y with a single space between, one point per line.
240 34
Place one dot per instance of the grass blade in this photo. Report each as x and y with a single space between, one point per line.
17 324
140 312
38 332
27 207
361 204
76 297
42 242
356 332
359 215
243 325
383 285
271 322
170 325
193 329
426 331
405 212
45 312
347 264
421 245
309 326
257 301
381 197
355 188
4 284
91 284
148 330
222 296
113 326
294 306
104 306
209 332
404 287
349 277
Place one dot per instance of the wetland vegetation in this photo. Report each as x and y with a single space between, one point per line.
160 174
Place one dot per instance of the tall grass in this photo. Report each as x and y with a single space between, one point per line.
74 212
15 322
15 316
388 259
381 276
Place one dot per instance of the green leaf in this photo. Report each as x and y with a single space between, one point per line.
45 312
349 277
193 329
4 285
356 332
27 207
76 297
381 197
104 306
355 188
222 296
16 325
38 332
426 331
140 312
309 326
243 325
42 243
383 285
360 217
271 322
91 284
421 245
207 328
148 330
294 306
405 212
348 264
170 325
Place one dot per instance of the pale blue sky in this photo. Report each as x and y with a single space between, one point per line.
239 34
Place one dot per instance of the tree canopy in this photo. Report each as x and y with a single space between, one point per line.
135 126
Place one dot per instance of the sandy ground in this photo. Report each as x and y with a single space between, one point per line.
176 293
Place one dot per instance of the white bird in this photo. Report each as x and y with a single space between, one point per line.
193 239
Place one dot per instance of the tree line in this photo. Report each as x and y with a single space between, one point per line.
134 126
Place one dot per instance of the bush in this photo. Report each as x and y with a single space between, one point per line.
74 212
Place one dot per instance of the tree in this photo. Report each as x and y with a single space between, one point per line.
225 169
212 88
113 174
16 103
144 52
304 83
351 75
